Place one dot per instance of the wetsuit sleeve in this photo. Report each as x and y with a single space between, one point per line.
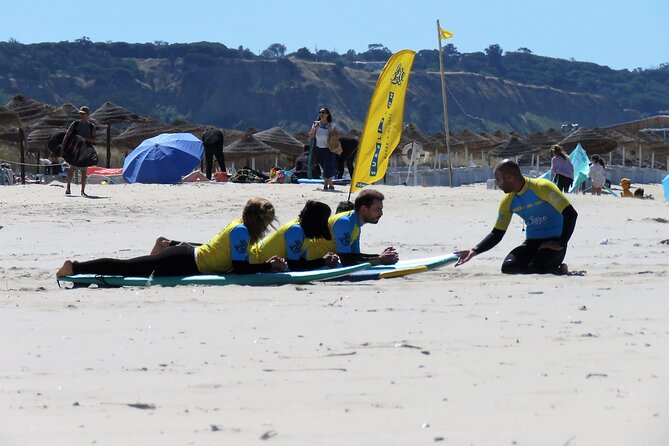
294 238
343 234
239 243
569 216
349 259
305 265
490 241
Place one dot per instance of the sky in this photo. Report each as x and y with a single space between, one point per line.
619 34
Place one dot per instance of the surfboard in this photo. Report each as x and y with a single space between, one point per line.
400 269
258 279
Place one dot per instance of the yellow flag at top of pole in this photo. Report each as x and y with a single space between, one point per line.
445 34
383 125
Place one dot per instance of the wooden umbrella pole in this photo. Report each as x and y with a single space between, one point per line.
108 146
443 100
22 149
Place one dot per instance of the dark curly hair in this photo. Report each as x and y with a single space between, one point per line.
314 220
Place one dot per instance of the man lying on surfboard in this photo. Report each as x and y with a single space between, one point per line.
549 218
346 226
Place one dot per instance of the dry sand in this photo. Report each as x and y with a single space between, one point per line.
466 356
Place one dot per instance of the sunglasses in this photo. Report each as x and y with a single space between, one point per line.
323 112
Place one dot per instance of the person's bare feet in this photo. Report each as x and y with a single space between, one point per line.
564 269
162 244
66 269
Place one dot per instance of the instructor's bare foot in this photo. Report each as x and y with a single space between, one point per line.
66 269
564 269
162 244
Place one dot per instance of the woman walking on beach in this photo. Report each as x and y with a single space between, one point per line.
228 250
321 131
562 171
296 240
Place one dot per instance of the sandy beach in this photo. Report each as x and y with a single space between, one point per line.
458 356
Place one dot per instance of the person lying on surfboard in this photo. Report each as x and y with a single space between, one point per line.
227 251
345 228
297 240
549 218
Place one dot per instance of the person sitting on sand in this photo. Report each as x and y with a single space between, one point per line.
345 228
227 251
626 183
294 241
549 218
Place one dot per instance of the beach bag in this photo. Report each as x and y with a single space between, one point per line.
79 154
334 145
55 141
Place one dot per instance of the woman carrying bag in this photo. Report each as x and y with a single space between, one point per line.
326 135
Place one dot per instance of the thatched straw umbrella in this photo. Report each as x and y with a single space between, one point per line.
248 148
108 114
28 110
475 142
9 121
279 139
543 141
140 130
513 148
592 140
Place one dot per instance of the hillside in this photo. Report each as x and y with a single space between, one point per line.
208 83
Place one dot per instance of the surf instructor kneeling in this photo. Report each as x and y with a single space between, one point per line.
549 218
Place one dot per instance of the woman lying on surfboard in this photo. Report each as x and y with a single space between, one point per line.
297 240
227 251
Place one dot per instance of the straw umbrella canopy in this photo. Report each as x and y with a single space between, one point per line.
248 147
279 139
413 135
592 140
302 136
28 110
110 113
512 148
542 140
140 130
473 141
9 125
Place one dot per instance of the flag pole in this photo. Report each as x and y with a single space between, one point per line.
443 99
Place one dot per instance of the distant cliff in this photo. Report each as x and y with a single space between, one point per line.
239 93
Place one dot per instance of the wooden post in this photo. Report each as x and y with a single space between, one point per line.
108 146
640 156
22 149
610 157
445 106
652 160
623 163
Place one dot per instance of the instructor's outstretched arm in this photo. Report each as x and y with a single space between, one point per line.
487 243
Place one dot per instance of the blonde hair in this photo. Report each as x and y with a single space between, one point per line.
257 215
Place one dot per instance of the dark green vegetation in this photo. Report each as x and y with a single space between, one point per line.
234 88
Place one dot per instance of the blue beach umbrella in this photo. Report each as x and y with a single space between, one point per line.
665 186
163 159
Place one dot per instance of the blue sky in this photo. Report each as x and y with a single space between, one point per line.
620 34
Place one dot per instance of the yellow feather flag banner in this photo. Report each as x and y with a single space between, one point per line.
383 125
445 34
